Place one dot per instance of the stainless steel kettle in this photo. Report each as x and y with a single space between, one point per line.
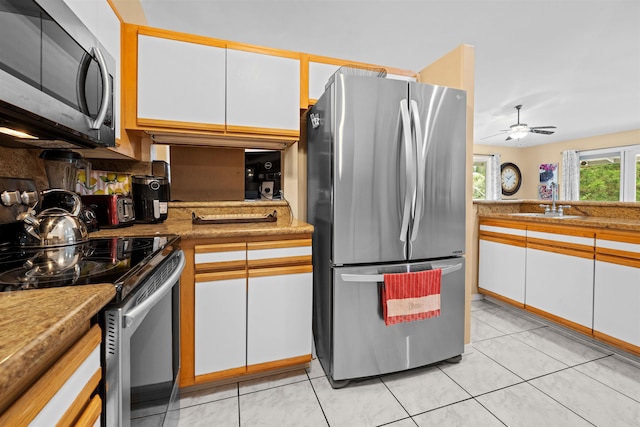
54 226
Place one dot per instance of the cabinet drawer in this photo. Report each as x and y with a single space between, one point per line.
619 244
220 257
501 232
279 253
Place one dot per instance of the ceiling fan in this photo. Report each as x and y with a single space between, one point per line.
520 130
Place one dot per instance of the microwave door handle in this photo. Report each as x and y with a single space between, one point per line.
446 269
421 154
106 89
409 173
81 79
134 317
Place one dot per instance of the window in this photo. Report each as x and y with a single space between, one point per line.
611 174
483 176
479 178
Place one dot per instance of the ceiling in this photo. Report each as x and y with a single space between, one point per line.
574 64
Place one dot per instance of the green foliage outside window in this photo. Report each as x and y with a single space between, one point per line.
600 182
480 180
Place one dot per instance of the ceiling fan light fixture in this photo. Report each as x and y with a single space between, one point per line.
518 131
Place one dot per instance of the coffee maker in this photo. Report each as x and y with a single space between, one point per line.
150 198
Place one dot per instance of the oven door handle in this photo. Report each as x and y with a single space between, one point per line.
137 314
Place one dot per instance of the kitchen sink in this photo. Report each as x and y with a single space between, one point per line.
543 215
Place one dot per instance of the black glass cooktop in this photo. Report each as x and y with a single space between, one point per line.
122 261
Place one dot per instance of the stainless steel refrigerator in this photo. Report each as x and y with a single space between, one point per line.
386 194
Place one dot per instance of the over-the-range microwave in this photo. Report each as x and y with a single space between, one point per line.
56 80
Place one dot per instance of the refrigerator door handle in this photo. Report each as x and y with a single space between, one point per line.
421 160
409 169
446 269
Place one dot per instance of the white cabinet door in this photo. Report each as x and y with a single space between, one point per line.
616 308
401 77
561 285
501 261
501 269
220 325
180 81
279 317
319 75
263 91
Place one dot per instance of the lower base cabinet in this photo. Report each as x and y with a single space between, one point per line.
252 308
616 309
67 393
582 277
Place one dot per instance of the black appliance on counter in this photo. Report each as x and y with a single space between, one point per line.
150 198
262 166
140 348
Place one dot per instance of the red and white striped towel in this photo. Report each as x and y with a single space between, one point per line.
411 296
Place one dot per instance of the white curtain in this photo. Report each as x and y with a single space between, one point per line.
570 185
494 188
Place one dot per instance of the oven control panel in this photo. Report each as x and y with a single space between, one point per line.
17 195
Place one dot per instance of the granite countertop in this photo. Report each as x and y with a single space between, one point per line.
36 328
179 221
187 230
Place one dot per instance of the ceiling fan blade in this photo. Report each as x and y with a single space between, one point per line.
543 127
544 132
497 134
508 138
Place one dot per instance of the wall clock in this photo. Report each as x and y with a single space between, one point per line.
510 178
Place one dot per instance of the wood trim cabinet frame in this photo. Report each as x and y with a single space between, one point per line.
228 264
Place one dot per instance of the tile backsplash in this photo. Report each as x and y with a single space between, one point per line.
103 182
26 163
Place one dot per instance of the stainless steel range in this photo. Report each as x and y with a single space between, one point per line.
140 353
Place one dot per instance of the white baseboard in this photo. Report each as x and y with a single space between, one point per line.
477 297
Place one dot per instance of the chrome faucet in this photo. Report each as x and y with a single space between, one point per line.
552 211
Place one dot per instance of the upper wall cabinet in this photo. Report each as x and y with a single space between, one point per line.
189 89
263 91
320 70
180 82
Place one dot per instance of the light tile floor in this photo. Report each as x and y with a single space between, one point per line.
522 371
